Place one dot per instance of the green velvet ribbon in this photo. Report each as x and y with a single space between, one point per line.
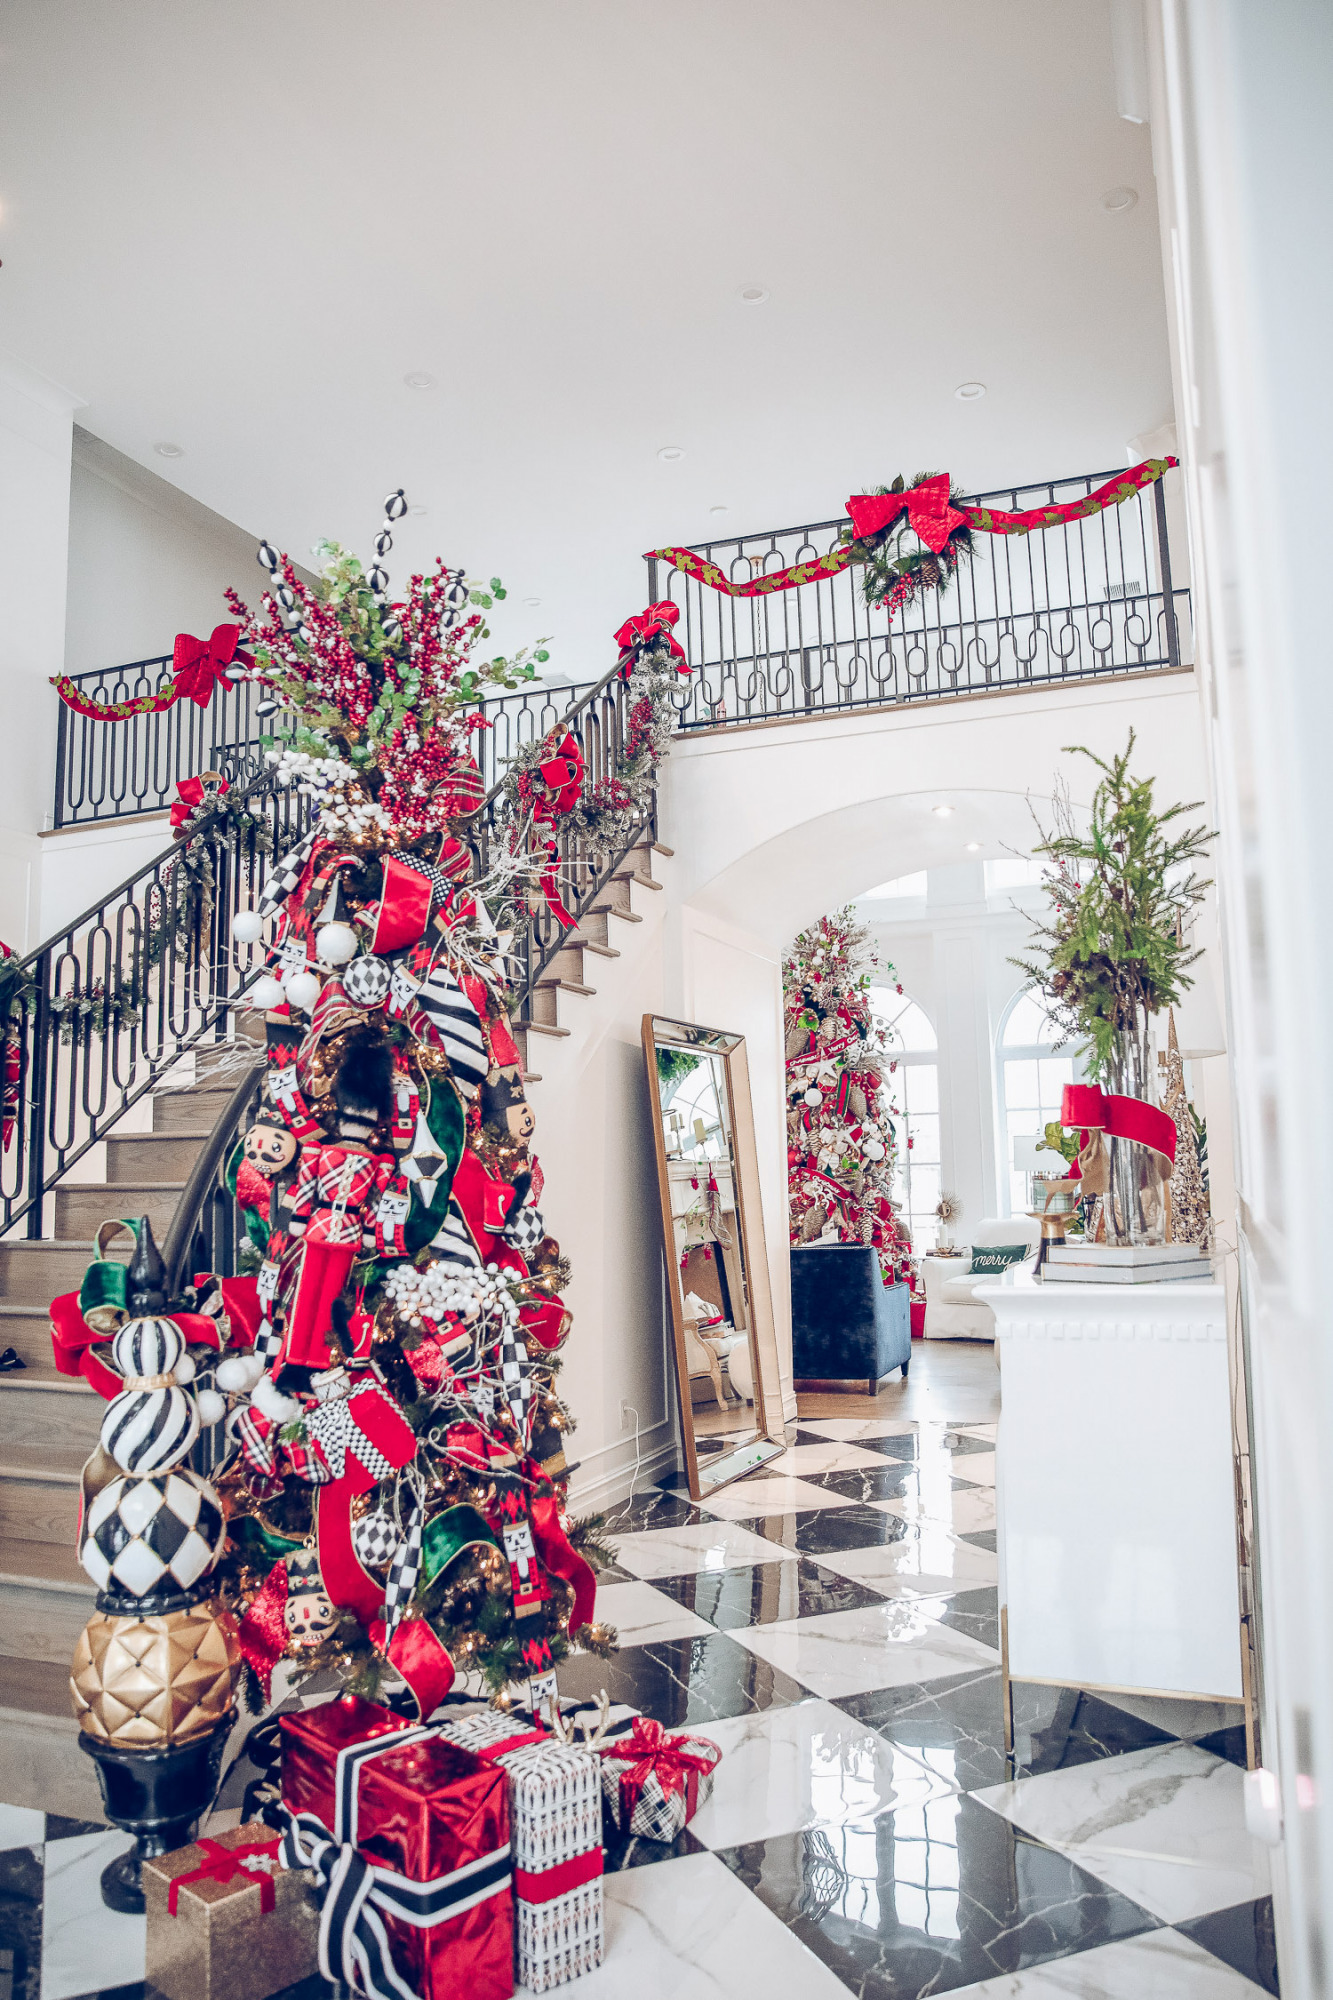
458 1528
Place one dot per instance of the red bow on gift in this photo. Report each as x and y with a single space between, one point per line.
224 1864
927 508
656 1751
649 628
197 664
190 795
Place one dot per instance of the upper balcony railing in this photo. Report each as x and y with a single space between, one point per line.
1093 598
112 770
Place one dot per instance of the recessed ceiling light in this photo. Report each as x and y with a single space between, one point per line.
974 847
532 602
719 510
168 450
942 812
419 379
416 510
1117 200
754 295
670 453
970 392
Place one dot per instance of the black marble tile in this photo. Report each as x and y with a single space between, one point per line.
984 1538
863 1483
1057 1728
678 1681
639 1853
923 1900
955 1727
654 1507
60 1828
1242 1938
732 1599
916 1447
824 1529
21 1917
1228 1743
976 1612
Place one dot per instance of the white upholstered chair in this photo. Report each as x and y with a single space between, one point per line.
952 1313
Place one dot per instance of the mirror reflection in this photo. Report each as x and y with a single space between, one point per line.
713 1239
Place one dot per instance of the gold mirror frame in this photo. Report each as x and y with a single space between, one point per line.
766 1434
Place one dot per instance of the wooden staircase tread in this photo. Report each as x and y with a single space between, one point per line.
160 1138
644 881
600 950
35 1687
47 1379
541 1028
123 1187
659 847
625 916
30 1565
19 1462
11 1311
565 986
120 1251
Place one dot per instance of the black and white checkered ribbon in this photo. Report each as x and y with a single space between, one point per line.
286 872
404 1573
516 1379
356 1895
334 1428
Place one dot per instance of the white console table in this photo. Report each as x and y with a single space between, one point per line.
1114 1487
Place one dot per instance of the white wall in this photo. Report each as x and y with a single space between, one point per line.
36 422
1243 151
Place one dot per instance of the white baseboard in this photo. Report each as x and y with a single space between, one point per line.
595 1485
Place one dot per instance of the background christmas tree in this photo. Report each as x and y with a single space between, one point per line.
841 1150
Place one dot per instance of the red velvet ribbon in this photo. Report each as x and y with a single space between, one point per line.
649 629
926 506
224 1864
562 775
558 1881
417 1652
655 1751
551 889
404 908
198 664
74 1344
263 1630
1088 1108
191 793
557 1553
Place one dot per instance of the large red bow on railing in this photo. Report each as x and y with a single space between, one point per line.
1085 1107
926 506
562 775
649 629
198 665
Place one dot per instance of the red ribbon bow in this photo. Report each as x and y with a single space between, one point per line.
655 1751
562 775
224 1864
190 795
927 508
649 628
1088 1108
197 664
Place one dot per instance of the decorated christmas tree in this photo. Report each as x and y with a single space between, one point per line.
841 1150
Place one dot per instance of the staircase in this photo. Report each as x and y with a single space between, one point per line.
567 971
48 1425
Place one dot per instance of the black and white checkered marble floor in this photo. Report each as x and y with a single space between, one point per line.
831 1622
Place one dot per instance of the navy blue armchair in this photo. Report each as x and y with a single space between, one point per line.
846 1323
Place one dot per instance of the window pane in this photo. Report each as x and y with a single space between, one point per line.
1028 1025
925 1133
920 1086
1022 1085
908 1027
901 885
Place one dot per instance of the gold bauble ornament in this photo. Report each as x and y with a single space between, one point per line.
144 1682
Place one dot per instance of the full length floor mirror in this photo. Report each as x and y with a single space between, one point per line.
713 1240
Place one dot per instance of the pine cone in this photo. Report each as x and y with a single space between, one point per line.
929 572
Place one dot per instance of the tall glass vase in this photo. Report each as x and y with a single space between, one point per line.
1134 1207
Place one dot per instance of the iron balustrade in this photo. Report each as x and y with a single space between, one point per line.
1078 602
113 770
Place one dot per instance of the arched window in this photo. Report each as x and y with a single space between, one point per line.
914 1088
1030 1079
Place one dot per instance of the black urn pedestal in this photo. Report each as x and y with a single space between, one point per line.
158 1795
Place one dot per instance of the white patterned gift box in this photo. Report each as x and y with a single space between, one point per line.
654 1782
555 1811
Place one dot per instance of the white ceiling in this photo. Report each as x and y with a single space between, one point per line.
237 227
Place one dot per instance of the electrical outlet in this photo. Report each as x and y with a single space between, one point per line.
627 1417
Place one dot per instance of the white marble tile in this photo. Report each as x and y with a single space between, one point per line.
929 1561
801 1460
967 1510
703 1545
881 1645
690 1930
1158 1965
86 1947
850 1428
789 1770
1165 1826
642 1615
986 1431
976 1466
21 1826
750 1498
1190 1719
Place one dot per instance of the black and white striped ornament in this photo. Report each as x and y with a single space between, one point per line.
148 1429
454 1024
455 599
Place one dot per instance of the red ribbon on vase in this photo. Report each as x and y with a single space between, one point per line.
198 670
1086 1107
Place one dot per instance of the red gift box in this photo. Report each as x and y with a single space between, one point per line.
422 1827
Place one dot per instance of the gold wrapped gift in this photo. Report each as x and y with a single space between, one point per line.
225 1922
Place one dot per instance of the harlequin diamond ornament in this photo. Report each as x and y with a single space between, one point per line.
144 1682
366 982
425 1163
146 1535
375 1537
